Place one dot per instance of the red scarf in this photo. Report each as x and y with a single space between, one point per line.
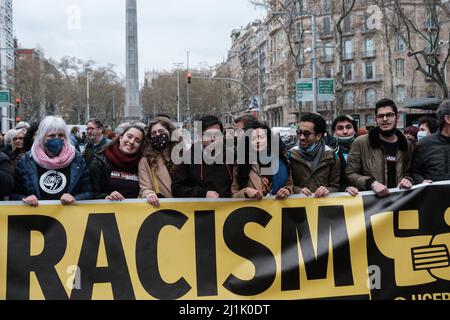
122 160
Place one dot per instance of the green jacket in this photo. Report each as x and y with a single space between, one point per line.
367 162
326 174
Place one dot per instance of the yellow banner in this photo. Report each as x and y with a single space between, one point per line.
292 249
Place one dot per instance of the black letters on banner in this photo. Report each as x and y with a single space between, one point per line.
295 226
147 255
117 271
20 263
258 254
205 253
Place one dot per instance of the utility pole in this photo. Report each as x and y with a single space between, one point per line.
87 94
178 65
188 98
314 57
114 109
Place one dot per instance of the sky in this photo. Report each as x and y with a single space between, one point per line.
167 29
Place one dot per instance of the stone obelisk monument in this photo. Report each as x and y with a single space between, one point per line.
133 109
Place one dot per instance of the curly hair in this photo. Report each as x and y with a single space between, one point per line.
151 154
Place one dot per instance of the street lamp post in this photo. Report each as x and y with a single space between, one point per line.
86 69
178 65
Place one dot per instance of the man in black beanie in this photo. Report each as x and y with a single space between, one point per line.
208 175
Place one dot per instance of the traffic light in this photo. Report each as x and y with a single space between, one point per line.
189 77
17 103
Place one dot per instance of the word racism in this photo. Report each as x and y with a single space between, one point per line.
298 248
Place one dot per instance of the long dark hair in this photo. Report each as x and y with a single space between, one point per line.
150 153
243 170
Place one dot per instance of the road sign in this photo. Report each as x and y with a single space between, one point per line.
5 99
326 89
304 90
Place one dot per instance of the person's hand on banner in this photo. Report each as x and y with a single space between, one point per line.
352 191
212 195
322 192
283 193
253 194
152 199
405 184
67 199
306 192
31 201
115 196
380 189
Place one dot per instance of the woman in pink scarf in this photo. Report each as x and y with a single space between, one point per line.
53 169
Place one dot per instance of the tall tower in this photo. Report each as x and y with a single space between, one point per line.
133 110
6 41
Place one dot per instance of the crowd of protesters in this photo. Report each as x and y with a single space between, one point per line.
47 161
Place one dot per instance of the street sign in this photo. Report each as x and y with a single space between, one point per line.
5 99
326 89
304 90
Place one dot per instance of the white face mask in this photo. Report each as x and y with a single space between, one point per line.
421 135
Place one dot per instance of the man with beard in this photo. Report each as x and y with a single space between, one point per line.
344 129
382 159
315 167
207 175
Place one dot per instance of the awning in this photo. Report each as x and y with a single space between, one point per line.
422 103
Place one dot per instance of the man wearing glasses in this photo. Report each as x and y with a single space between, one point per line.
315 168
381 160
96 140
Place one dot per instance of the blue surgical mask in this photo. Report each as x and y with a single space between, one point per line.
55 146
312 147
421 135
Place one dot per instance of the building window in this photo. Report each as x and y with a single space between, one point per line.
369 47
370 97
348 24
400 43
328 51
326 6
326 26
369 68
348 49
328 71
370 119
400 94
348 71
400 68
349 98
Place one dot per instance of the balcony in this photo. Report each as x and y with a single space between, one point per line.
361 79
326 58
325 33
368 53
348 55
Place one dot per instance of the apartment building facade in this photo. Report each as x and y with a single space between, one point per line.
375 60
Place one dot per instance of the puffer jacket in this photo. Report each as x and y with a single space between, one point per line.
326 173
367 161
28 180
6 177
431 159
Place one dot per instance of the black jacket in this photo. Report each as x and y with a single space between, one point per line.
195 180
6 176
431 159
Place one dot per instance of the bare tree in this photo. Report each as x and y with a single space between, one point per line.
426 40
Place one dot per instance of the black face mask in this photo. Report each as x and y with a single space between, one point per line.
161 141
389 133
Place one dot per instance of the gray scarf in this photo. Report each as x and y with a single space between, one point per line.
312 155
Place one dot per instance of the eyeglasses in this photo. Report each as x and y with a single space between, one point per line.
305 133
390 115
